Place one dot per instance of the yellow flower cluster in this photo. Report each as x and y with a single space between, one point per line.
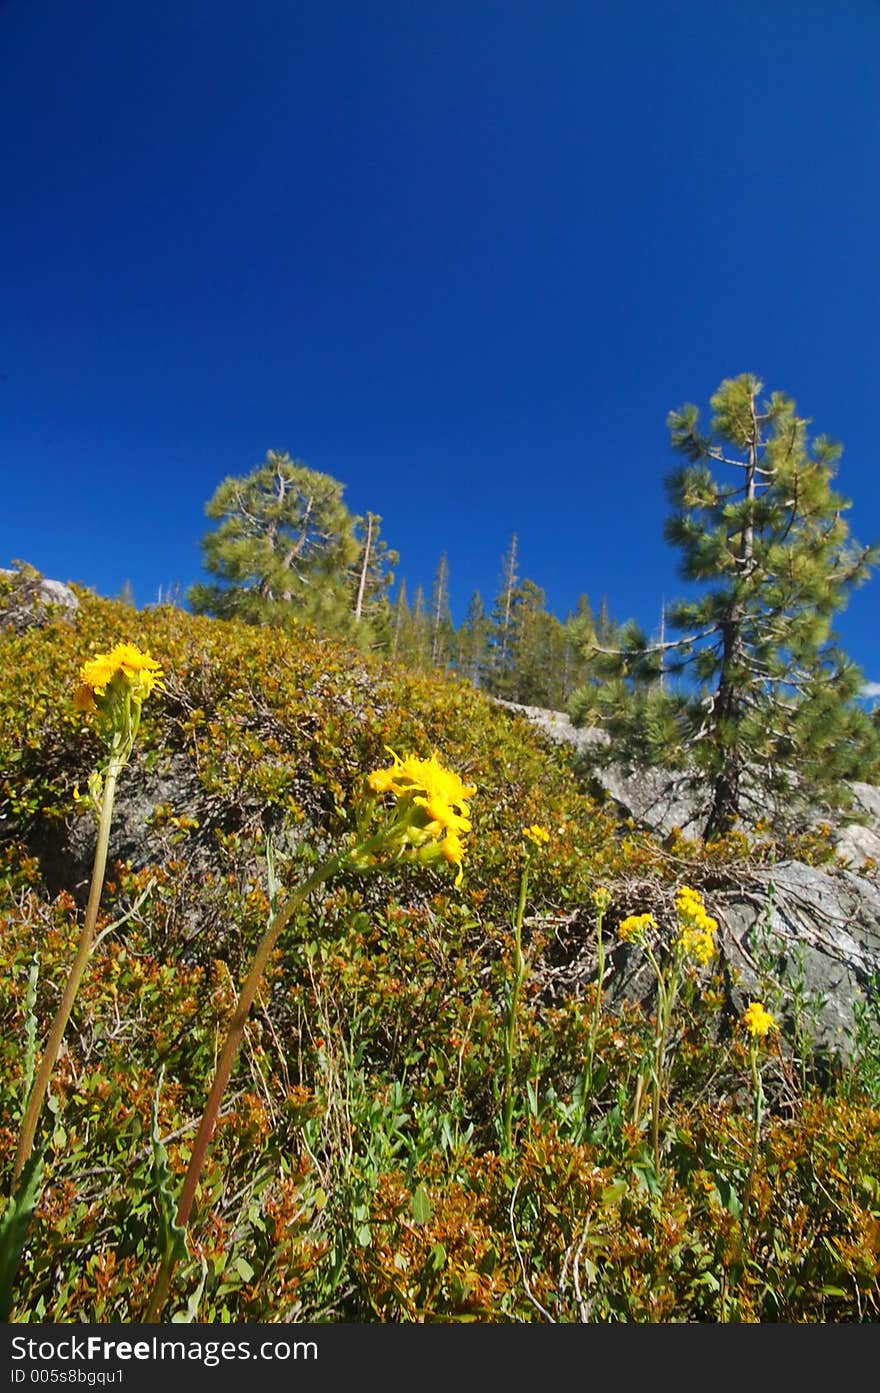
758 1021
635 926
138 671
697 928
539 835
438 799
601 898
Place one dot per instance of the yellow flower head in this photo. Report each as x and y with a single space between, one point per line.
757 1021
98 672
437 799
539 835
635 927
139 672
601 898
421 778
697 928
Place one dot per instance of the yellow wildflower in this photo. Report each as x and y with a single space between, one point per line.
635 926
98 673
758 1021
696 943
689 904
140 672
438 800
539 835
421 779
601 898
140 669
697 928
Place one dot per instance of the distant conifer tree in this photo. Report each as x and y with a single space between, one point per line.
472 642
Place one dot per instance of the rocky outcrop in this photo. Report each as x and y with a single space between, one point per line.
815 935
806 936
28 600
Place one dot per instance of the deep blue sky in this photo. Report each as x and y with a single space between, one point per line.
463 256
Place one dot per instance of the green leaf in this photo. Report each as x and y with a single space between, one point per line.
172 1235
421 1206
192 1306
612 1193
14 1228
244 1269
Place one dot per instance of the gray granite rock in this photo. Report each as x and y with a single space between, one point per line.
28 600
807 937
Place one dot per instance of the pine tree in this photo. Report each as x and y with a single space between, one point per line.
530 647
285 545
578 636
527 658
472 642
414 642
765 704
400 622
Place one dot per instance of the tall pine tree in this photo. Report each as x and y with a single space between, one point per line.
765 706
472 642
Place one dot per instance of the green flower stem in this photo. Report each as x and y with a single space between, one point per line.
80 962
587 1080
666 994
513 1010
758 1093
227 1059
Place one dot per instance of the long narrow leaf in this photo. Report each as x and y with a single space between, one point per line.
14 1227
172 1236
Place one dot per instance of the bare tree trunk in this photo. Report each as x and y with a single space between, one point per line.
365 562
440 600
510 579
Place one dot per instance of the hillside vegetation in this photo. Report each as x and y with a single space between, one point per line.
434 1114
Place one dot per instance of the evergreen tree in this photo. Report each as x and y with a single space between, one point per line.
578 636
606 627
285 545
765 707
472 642
400 623
414 639
527 661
